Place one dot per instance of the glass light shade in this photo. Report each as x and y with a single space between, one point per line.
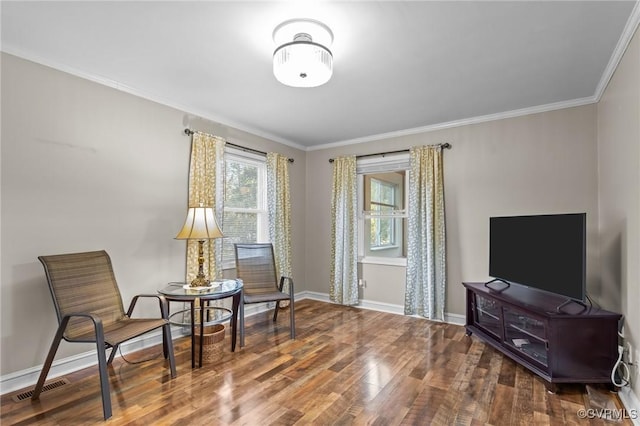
301 58
200 224
302 64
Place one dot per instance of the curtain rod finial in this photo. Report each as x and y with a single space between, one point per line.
188 132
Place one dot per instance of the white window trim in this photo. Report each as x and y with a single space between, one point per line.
262 226
381 248
385 164
389 261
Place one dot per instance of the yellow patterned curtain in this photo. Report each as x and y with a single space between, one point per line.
343 286
206 188
279 212
426 254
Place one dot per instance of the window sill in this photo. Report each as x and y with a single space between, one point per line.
382 248
388 261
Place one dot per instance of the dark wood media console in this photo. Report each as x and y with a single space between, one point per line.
523 324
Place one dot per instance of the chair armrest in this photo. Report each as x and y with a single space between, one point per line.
161 300
93 317
282 280
97 324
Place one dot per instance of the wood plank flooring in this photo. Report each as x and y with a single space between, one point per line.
347 366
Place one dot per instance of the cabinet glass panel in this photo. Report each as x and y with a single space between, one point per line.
487 313
526 334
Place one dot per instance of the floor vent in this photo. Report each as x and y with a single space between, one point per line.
47 387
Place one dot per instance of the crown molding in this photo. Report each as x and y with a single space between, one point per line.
630 27
463 122
623 42
230 123
223 121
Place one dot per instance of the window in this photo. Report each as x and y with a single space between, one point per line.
245 212
382 203
382 227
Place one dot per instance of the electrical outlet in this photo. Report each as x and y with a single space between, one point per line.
628 351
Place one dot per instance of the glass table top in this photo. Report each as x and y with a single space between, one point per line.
217 289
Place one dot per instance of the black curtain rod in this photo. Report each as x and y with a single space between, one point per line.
190 132
443 145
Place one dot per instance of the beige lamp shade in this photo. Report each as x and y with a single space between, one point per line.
200 224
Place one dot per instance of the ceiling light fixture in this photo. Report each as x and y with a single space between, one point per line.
301 58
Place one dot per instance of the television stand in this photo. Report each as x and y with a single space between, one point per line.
525 325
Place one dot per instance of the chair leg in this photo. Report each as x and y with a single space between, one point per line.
235 307
167 343
165 353
275 313
47 364
112 355
241 321
102 368
292 318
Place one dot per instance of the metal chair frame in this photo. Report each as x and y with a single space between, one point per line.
98 329
278 293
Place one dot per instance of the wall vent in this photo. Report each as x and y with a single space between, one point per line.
57 383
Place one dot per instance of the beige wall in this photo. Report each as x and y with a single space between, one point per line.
619 194
87 167
542 163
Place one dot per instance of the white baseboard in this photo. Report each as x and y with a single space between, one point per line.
25 378
456 319
28 377
631 404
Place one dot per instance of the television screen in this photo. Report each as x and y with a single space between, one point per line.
546 252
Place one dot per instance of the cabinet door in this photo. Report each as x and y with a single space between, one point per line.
487 314
527 335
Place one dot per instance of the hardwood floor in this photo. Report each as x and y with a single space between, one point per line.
347 366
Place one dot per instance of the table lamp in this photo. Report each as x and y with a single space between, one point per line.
200 225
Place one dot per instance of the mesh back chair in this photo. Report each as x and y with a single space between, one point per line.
89 309
255 266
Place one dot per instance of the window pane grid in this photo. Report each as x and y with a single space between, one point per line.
241 185
245 214
383 192
384 221
382 233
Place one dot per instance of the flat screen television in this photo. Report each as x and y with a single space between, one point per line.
544 252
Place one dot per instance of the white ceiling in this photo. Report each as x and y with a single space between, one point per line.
399 67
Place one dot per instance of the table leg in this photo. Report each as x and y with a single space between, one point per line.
193 334
234 319
202 311
241 318
165 348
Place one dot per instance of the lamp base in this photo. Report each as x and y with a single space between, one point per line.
200 281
